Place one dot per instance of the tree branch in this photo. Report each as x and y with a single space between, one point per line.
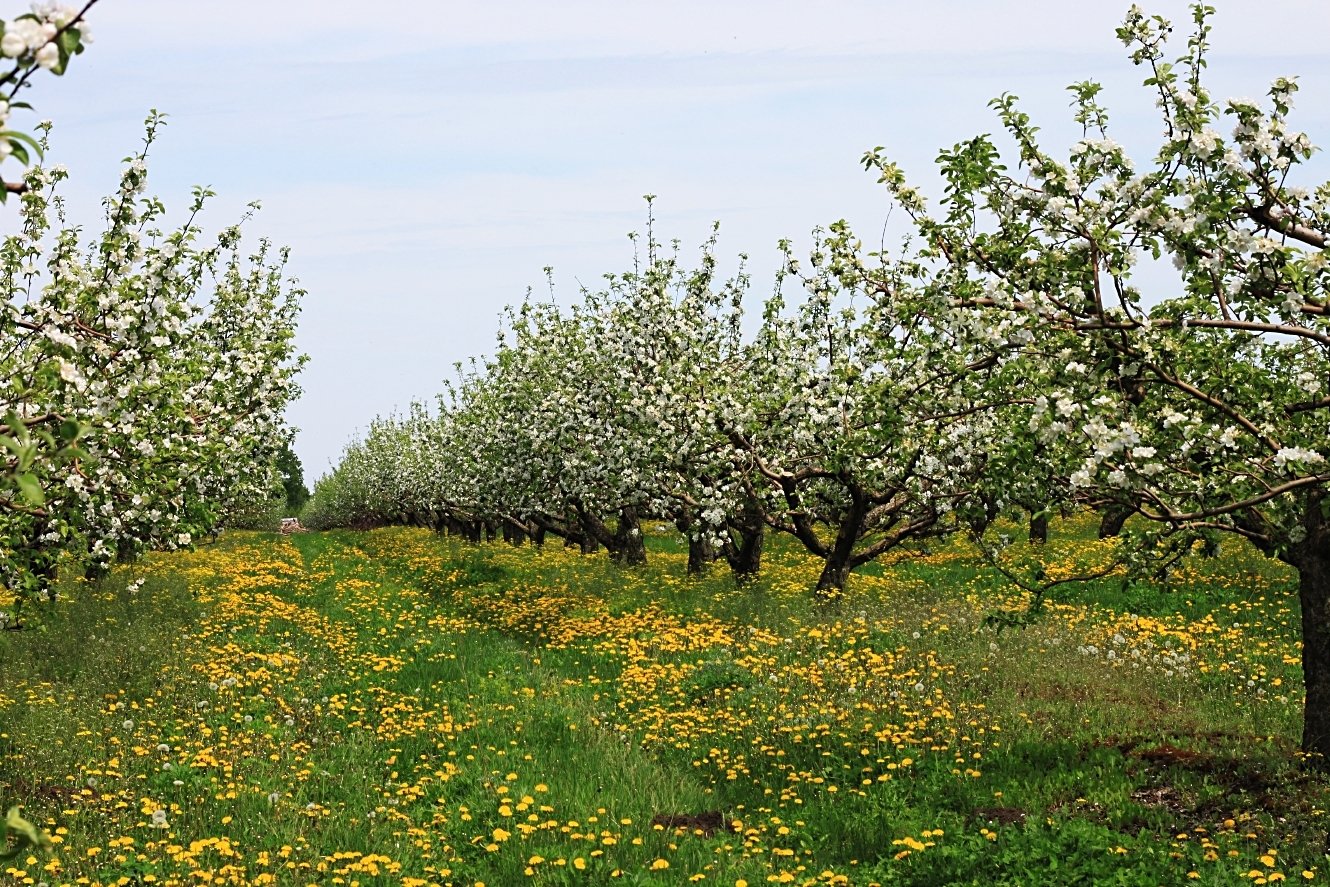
1264 216
1172 517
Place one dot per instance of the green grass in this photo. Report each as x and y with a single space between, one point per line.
397 708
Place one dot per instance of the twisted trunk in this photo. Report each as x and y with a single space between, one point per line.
837 564
625 543
514 531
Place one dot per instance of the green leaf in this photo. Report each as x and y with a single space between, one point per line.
69 41
28 835
12 135
31 489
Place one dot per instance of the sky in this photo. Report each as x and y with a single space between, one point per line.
424 161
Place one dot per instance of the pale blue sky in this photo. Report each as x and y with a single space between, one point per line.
425 160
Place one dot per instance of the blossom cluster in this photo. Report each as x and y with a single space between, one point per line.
647 399
45 38
144 379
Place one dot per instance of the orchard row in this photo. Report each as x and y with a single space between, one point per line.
1153 339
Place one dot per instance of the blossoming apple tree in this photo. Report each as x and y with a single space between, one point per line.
866 417
1200 403
143 377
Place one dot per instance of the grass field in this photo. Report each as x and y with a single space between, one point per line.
396 708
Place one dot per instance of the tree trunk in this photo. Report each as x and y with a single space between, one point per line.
1039 527
126 553
1311 557
588 543
1314 594
625 545
980 518
629 548
593 531
835 572
514 532
700 550
831 584
1115 516
700 554
745 536
543 525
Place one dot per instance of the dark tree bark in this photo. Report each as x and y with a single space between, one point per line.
625 544
586 537
981 518
1114 517
745 536
588 544
837 564
700 550
700 554
1311 558
126 553
867 526
543 524
1039 527
630 547
831 582
514 531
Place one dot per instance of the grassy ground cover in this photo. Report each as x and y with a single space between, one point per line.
396 708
